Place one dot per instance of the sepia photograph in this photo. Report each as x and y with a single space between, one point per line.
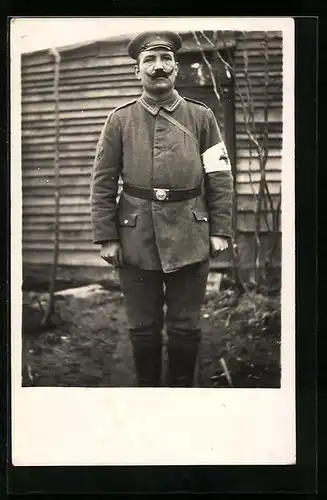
154 184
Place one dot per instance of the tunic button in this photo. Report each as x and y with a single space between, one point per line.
126 221
205 219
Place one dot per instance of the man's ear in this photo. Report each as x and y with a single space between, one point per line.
176 67
137 71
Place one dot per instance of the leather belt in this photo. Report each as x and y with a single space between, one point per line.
162 194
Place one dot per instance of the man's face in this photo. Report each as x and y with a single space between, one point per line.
157 70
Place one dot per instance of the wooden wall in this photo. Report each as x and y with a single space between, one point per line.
252 45
94 79
246 157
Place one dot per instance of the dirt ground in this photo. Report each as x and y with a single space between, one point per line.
87 343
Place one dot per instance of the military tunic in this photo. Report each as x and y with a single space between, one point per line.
144 148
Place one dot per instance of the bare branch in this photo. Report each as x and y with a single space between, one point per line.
208 65
248 109
255 199
225 63
39 304
226 372
271 252
256 143
258 138
251 179
207 38
253 190
30 373
266 211
249 91
269 198
279 204
266 97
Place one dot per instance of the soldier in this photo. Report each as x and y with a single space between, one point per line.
173 214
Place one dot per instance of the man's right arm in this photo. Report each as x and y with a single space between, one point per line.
111 252
107 167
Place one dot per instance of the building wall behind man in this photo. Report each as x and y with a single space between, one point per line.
94 79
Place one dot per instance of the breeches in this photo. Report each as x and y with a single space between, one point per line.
146 294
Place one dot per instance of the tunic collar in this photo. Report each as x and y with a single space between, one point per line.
154 106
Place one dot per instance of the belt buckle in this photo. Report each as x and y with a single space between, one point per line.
161 194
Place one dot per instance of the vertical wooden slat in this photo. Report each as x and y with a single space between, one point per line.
56 243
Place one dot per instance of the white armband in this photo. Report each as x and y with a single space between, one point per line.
216 159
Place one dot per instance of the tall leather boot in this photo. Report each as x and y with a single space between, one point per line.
182 358
147 357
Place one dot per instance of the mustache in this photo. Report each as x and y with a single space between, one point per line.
161 73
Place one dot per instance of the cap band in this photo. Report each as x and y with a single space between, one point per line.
149 40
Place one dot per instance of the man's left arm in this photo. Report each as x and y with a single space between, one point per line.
218 182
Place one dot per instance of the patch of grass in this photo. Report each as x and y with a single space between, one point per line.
245 332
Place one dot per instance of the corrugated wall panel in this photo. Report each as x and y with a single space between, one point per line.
93 81
250 67
90 87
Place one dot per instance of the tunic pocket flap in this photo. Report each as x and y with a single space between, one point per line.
200 216
127 220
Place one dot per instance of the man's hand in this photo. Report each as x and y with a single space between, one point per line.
111 252
218 244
